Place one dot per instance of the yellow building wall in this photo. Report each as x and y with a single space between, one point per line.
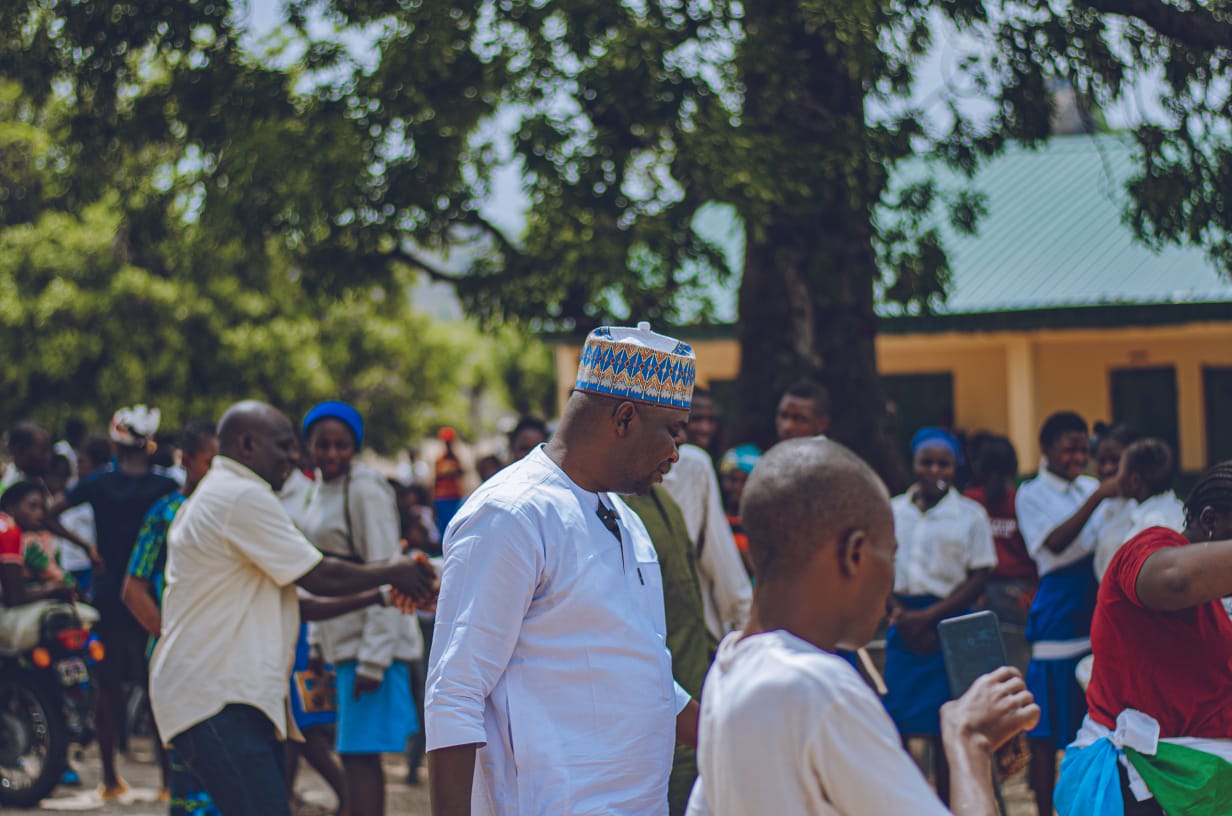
1008 382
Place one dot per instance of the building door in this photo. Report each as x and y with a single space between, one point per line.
1217 389
1145 398
919 400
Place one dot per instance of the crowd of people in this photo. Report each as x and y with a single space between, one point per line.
625 618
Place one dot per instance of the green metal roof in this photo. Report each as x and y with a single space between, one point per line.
1052 238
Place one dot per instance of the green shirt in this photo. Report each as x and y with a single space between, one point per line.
690 642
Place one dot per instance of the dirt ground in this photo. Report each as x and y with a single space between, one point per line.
316 798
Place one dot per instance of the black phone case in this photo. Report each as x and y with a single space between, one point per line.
971 646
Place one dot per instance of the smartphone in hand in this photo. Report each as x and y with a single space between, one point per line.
971 646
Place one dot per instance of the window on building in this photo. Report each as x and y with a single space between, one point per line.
919 400
1217 388
1145 398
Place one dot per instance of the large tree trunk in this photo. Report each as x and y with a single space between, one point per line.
806 299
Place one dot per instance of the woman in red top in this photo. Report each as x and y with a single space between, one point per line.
1163 648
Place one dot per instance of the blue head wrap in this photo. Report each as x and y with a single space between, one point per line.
333 409
741 457
937 436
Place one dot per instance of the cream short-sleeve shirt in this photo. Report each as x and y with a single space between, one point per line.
230 612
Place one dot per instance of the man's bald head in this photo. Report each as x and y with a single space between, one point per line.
259 436
805 494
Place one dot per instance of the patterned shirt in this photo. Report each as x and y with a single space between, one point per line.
149 559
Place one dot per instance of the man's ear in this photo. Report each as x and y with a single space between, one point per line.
851 547
823 425
623 417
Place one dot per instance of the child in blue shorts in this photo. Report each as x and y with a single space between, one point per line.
1059 523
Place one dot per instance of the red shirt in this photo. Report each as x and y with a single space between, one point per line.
1012 558
1175 666
448 483
12 548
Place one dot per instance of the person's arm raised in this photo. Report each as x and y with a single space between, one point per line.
1182 577
993 711
1064 533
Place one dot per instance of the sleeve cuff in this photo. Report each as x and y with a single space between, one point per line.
682 697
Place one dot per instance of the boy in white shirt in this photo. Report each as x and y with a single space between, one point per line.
787 726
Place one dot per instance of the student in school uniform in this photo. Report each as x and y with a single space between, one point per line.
945 552
1114 518
1055 511
1148 468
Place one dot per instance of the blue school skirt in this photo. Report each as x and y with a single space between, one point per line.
1062 610
381 721
917 683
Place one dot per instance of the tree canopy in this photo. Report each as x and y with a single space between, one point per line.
366 147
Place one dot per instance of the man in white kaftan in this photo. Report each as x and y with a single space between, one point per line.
550 688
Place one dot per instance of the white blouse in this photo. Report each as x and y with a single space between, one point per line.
939 546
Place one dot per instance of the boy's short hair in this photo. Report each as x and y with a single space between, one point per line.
1153 460
1121 433
811 390
1058 425
780 511
196 434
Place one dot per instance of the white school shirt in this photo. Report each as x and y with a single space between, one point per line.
787 728
230 612
1161 510
1044 503
721 576
1112 521
550 651
938 547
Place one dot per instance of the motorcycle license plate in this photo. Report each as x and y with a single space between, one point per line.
72 671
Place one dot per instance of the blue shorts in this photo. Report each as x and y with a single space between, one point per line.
379 722
1061 700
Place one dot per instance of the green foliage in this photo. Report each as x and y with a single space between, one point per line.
218 316
152 166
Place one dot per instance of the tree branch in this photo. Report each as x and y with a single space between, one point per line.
507 246
1196 28
431 270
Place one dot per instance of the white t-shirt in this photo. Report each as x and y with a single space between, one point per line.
1046 502
787 728
230 612
938 547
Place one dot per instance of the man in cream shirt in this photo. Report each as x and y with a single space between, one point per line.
219 676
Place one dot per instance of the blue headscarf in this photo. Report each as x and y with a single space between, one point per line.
741 457
333 409
937 436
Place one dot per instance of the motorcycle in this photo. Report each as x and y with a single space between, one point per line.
46 695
